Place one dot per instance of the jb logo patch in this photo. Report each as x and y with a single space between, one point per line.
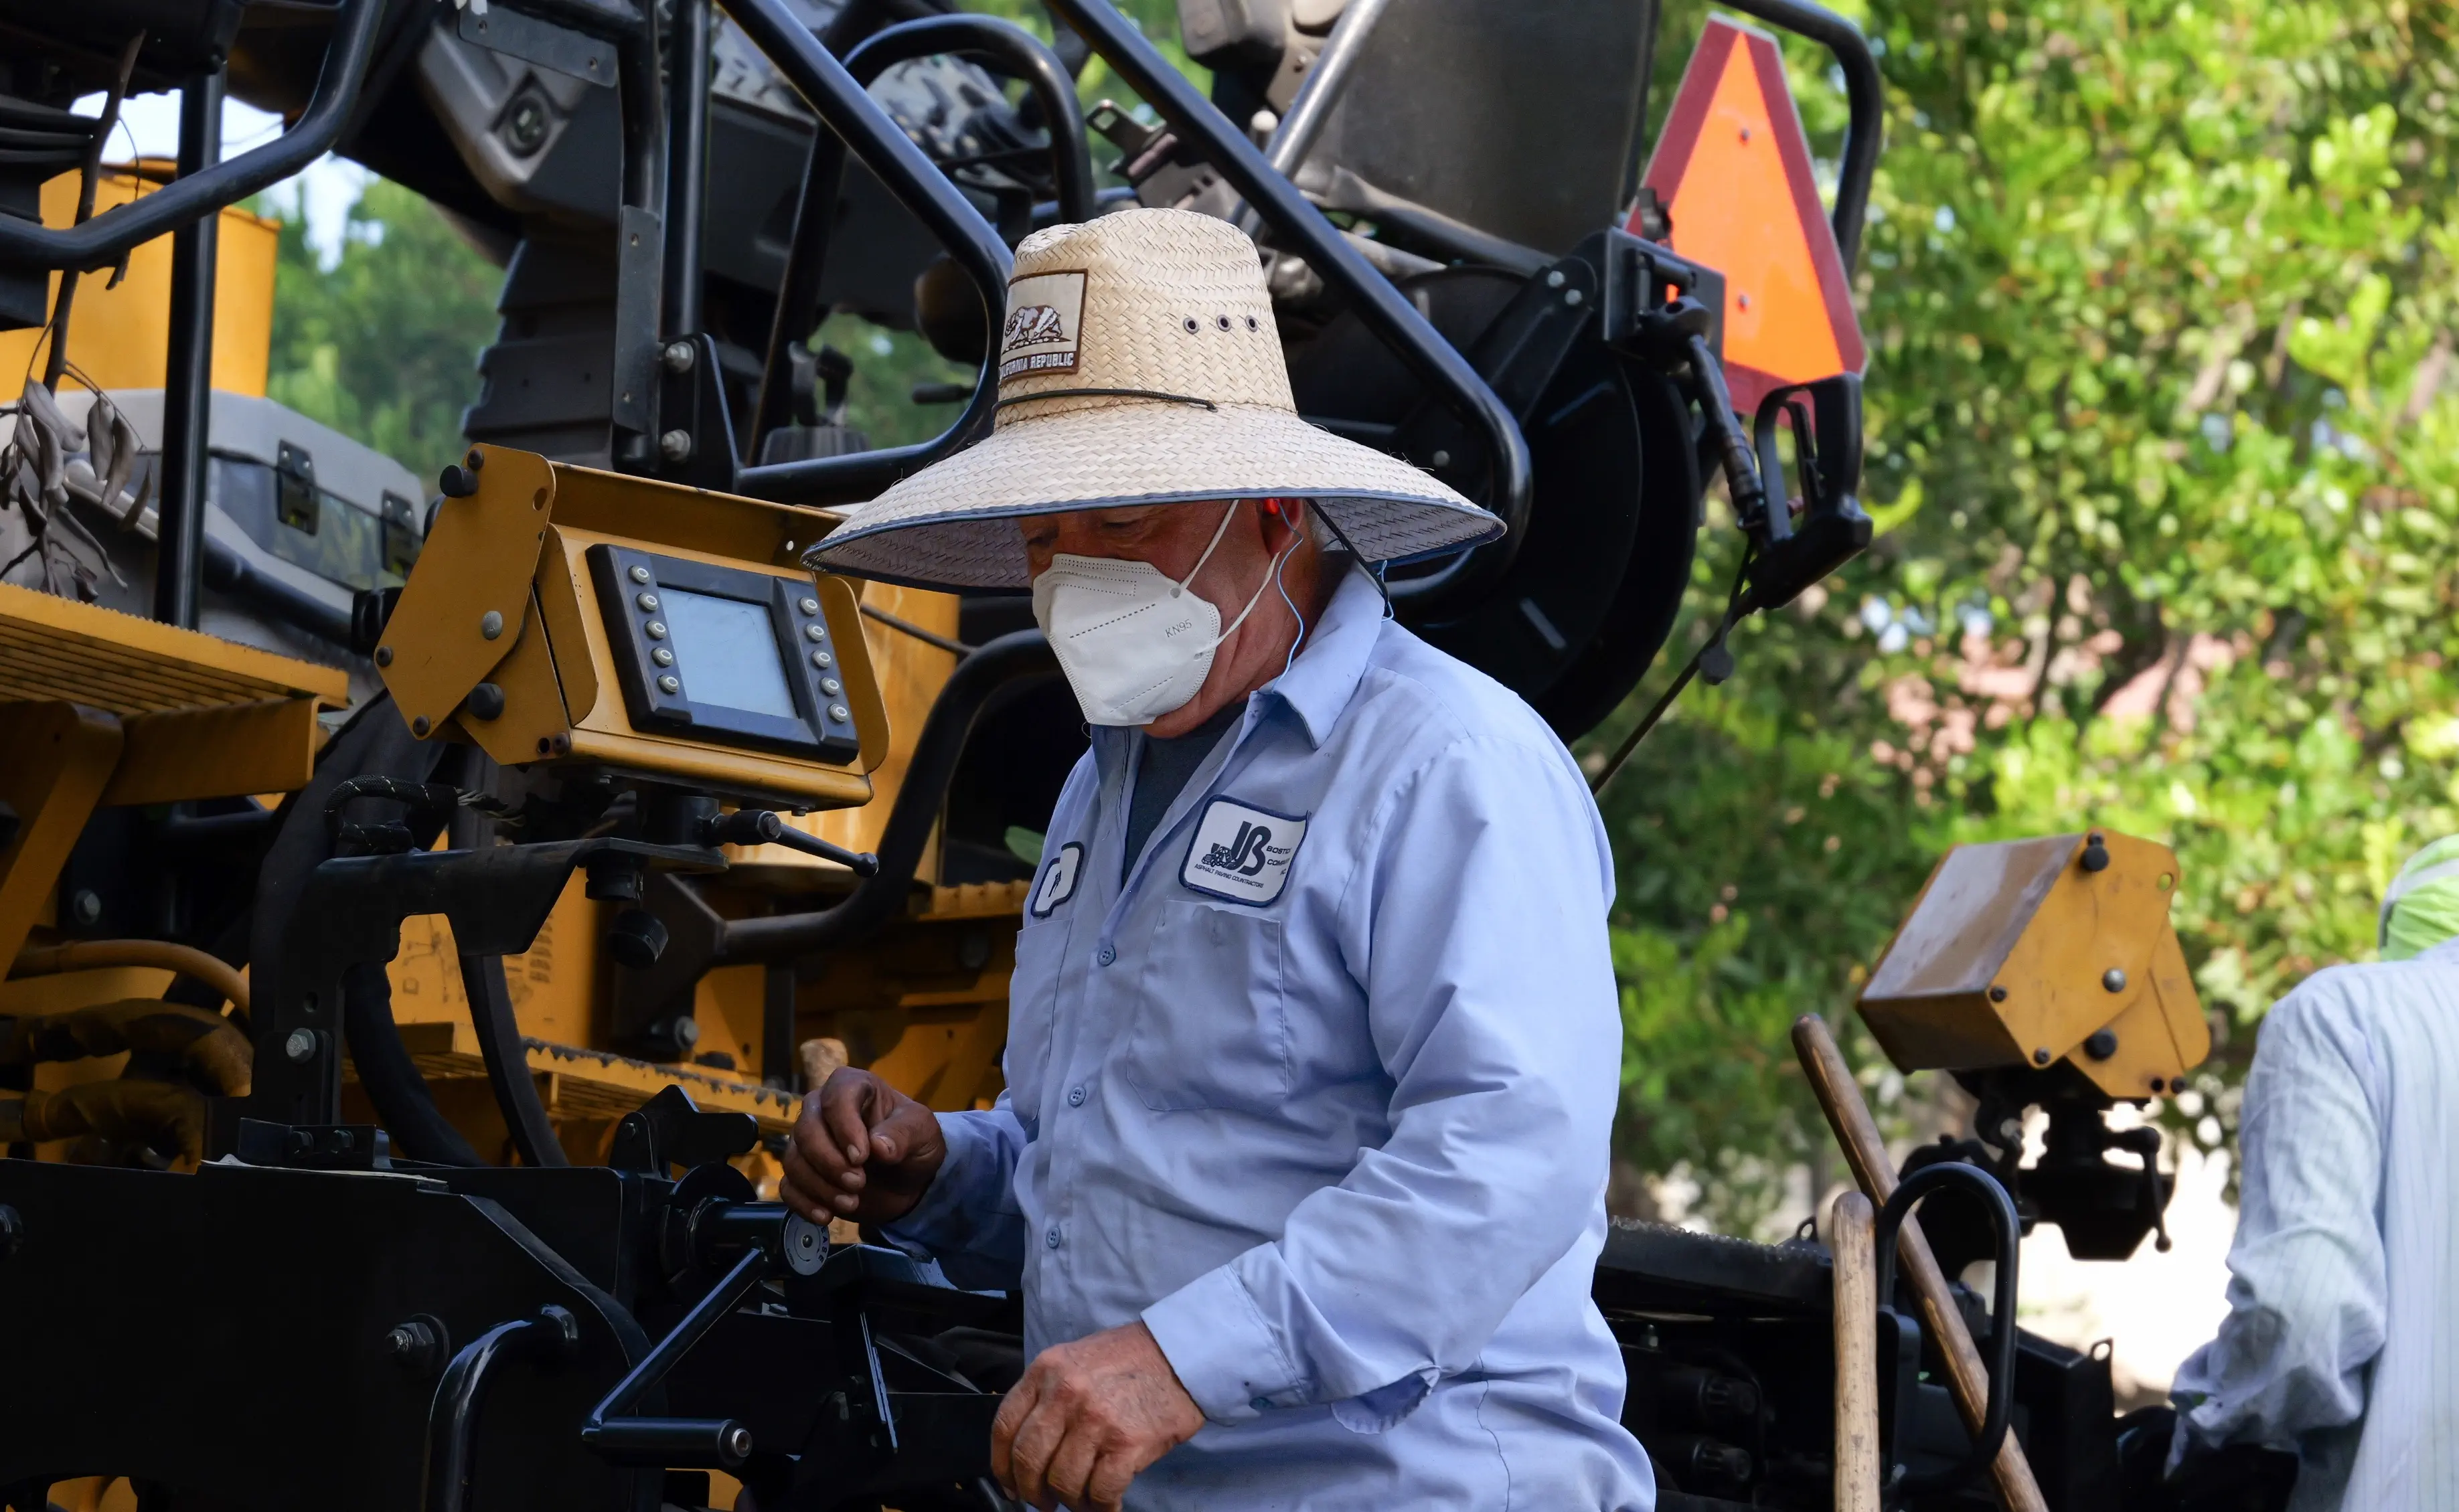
1242 853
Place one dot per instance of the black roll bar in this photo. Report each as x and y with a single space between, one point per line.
105 238
922 189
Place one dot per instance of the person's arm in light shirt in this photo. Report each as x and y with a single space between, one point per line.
1477 924
2307 1287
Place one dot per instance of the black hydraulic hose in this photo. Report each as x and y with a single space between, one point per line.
108 237
1862 99
1011 657
490 1010
922 189
1016 52
1380 306
375 744
389 1077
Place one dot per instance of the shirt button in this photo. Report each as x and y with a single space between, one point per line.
1050 1236
1076 1097
1107 955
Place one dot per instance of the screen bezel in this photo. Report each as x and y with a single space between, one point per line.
812 733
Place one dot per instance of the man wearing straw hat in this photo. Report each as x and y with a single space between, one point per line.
1313 1040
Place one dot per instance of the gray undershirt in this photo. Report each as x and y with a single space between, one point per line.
1162 773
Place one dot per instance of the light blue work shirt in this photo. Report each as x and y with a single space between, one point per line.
1322 1093
2342 1340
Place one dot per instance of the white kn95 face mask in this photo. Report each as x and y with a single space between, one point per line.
1134 643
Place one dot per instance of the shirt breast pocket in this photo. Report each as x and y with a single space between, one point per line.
1211 1027
1032 1010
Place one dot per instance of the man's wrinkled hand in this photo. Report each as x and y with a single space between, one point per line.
1088 1418
861 1150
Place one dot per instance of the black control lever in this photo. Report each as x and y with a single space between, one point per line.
1825 418
763 827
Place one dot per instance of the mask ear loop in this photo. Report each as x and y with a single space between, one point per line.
1273 507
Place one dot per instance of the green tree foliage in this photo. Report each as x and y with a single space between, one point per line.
2160 297
383 346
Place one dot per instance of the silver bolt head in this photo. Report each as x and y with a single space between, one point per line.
299 1046
1554 278
2114 979
1572 296
491 624
680 356
676 446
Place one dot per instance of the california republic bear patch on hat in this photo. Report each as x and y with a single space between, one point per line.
1138 364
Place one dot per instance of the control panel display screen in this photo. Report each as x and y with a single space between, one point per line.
730 648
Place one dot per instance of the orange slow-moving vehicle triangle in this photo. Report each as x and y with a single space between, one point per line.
1732 169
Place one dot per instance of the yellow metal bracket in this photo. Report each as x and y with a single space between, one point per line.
54 767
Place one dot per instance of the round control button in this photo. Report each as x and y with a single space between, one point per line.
821 658
639 574
662 655
655 630
647 601
811 606
816 632
831 687
837 712
670 684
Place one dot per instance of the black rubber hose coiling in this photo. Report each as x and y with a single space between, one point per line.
1012 656
373 744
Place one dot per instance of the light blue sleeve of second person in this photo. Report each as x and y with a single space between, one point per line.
2308 1294
1476 921
969 1220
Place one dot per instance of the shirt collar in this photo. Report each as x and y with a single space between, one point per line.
1319 685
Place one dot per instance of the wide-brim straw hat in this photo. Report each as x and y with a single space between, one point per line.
1139 364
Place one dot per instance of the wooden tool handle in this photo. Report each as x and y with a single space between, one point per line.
1874 1171
1849 1221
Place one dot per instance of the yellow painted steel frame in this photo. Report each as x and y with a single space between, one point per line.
102 708
2019 953
501 596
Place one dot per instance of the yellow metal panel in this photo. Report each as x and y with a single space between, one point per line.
479 560
56 648
558 598
722 528
53 764
229 751
532 720
121 337
2091 923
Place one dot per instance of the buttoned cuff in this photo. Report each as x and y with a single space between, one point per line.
945 1217
1225 1356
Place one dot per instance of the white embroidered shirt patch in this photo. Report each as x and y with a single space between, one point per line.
1242 853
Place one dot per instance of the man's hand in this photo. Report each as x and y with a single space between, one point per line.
1088 1418
861 1150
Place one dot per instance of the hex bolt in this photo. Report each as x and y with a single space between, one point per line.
680 356
676 446
2114 979
384 656
2041 1056
299 1046
491 624
415 1344
1997 994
